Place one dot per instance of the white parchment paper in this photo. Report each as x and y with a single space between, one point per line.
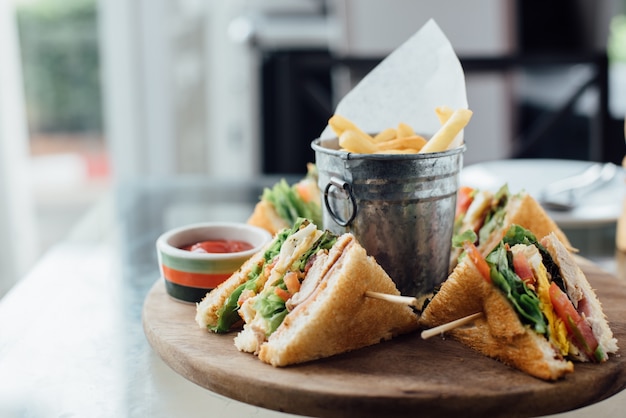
421 74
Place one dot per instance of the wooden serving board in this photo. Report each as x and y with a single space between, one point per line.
403 377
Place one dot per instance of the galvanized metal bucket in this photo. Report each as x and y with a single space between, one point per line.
399 206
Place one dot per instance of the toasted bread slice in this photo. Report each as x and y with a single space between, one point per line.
265 216
337 317
526 212
291 243
523 210
498 333
207 309
282 204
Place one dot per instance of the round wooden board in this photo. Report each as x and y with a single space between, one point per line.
405 376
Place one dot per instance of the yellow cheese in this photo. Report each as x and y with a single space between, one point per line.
558 332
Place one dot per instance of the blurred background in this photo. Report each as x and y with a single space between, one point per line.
96 92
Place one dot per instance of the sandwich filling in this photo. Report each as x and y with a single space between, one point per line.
528 265
479 213
524 271
298 201
288 245
288 289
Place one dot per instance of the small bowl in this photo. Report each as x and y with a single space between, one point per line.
190 275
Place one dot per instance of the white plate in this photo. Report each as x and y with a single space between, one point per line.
600 206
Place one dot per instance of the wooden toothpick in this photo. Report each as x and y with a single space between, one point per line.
403 300
450 325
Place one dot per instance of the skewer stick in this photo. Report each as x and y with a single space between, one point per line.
450 325
404 300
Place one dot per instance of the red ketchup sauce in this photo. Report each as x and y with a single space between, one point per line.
218 246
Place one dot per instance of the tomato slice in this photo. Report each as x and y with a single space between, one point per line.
292 282
464 199
282 293
478 260
522 268
576 326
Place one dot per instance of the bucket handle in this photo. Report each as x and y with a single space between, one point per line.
345 186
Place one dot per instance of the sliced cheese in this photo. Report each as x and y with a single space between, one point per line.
558 332
292 249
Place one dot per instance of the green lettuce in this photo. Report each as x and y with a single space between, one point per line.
289 205
270 306
519 235
228 314
495 217
494 220
524 300
466 236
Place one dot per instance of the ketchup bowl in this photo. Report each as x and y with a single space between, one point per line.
195 259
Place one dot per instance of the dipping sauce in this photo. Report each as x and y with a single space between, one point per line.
218 246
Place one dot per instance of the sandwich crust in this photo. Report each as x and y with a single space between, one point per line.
526 212
498 333
266 217
339 317
523 210
206 310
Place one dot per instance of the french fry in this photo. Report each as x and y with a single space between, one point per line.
446 134
403 139
399 151
340 124
386 135
357 142
404 130
443 113
412 142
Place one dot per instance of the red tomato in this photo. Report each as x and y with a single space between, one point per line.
478 260
292 282
522 268
218 246
464 198
282 293
576 326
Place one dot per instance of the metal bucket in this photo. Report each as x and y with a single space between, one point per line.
399 206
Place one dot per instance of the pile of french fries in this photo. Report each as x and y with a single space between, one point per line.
403 139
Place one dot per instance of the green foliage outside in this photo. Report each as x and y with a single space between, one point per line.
59 47
616 47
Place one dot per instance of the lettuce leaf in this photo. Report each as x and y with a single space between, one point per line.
519 235
228 314
290 206
466 236
524 300
495 216
271 307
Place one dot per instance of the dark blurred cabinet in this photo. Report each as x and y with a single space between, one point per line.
295 107
296 102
